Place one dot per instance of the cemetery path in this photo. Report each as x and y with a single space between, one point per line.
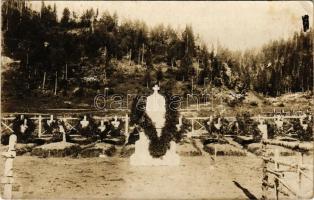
88 178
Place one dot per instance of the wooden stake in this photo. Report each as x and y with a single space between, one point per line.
39 126
126 126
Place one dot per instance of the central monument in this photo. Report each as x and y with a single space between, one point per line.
155 116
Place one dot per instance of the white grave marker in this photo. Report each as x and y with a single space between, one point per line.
84 122
102 126
24 126
115 123
180 123
50 121
279 122
218 125
210 120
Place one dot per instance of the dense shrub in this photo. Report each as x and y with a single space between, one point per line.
248 126
302 135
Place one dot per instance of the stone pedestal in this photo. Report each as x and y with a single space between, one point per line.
142 157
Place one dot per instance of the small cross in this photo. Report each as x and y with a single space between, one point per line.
84 122
115 123
156 88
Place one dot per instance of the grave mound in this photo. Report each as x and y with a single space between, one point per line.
224 150
187 148
20 148
99 149
127 151
58 149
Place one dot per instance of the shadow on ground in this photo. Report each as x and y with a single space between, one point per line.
245 191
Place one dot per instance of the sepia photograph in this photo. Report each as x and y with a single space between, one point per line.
156 100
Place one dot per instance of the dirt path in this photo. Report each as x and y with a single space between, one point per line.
196 177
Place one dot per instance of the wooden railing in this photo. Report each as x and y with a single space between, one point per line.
280 185
7 118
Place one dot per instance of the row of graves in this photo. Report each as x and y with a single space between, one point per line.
49 131
99 136
49 135
292 127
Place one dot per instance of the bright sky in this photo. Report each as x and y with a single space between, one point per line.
237 25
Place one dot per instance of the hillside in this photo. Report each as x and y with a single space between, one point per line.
65 63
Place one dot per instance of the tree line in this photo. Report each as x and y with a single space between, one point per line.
45 46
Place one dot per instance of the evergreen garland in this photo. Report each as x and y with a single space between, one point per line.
158 145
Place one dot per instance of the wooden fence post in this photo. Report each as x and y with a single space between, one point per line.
265 176
39 126
276 182
276 158
192 126
8 168
299 172
126 125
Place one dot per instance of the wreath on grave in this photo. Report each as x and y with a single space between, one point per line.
26 135
51 126
57 135
23 136
112 134
115 131
158 146
89 131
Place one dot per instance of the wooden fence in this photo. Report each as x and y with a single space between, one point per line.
274 176
200 126
7 121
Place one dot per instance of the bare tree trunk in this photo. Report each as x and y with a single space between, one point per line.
143 48
56 83
66 71
44 81
130 58
139 56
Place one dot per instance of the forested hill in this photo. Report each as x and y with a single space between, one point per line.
95 50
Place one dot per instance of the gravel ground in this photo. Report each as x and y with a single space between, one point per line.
197 177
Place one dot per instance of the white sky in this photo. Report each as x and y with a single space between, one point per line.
237 25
